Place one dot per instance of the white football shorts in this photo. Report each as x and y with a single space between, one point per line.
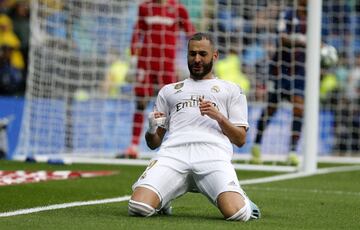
195 167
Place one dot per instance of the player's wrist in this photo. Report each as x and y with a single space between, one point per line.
154 123
152 130
221 121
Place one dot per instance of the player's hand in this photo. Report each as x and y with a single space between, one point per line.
208 108
156 119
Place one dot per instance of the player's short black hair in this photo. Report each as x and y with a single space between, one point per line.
201 36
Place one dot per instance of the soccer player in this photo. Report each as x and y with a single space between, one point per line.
203 116
153 46
287 75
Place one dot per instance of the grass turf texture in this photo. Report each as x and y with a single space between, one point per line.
329 201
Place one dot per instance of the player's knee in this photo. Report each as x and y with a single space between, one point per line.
136 208
243 214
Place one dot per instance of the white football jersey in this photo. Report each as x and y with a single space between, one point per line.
180 102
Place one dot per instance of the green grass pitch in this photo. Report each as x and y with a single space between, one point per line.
328 201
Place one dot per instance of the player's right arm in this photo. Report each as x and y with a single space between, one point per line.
157 121
156 131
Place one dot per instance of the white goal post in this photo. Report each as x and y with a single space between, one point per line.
312 87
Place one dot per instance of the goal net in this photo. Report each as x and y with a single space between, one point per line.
72 108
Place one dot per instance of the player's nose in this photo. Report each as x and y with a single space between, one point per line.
197 58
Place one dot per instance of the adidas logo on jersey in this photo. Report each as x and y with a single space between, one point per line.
232 183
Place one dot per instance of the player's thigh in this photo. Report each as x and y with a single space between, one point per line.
215 178
166 178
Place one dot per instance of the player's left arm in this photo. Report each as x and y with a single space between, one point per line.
236 134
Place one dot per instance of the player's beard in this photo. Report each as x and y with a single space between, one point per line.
199 75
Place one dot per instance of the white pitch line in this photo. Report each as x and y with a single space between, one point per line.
300 175
65 205
125 198
287 190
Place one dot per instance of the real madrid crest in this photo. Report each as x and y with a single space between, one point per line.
179 85
215 89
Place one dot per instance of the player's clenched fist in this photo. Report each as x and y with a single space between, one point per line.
156 119
208 108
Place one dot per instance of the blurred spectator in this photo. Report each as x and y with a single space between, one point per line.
6 5
11 61
336 24
20 15
334 81
229 68
10 76
115 77
328 85
8 37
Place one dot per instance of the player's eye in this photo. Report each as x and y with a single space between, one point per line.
192 53
203 53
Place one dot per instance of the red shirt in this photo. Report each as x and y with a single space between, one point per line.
156 32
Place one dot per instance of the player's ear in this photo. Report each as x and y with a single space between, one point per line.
215 55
